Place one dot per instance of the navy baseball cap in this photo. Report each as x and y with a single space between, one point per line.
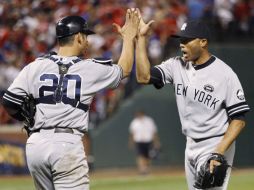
193 29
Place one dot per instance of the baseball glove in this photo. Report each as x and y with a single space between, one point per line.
205 179
28 109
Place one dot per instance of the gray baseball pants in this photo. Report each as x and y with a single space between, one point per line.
57 161
196 154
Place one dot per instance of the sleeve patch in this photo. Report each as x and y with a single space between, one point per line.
240 94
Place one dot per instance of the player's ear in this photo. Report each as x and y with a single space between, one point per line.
203 42
80 38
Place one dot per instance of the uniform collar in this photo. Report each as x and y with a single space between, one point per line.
210 61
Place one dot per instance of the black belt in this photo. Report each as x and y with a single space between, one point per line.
57 130
203 139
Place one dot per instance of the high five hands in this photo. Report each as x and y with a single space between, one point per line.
144 28
130 28
134 25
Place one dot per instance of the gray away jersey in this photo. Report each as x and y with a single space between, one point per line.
206 95
79 85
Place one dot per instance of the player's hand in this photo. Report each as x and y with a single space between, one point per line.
130 27
143 27
213 163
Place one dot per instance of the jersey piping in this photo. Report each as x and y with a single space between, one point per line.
209 62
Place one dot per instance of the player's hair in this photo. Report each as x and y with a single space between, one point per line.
66 40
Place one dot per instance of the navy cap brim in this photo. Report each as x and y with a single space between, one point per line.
175 36
88 32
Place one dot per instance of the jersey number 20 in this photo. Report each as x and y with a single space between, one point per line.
64 85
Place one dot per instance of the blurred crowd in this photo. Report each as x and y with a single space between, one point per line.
27 30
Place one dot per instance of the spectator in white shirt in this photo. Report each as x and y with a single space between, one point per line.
143 133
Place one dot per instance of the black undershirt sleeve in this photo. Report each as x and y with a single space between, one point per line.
240 116
156 78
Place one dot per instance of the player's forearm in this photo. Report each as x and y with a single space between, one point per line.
230 136
142 62
127 56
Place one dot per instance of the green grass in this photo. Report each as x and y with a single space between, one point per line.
239 180
16 183
140 183
242 181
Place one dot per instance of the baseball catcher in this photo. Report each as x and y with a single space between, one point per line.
207 179
63 93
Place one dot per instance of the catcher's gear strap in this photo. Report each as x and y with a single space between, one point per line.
51 100
63 69
204 179
12 104
58 95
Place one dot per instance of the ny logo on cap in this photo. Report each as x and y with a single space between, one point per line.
184 26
